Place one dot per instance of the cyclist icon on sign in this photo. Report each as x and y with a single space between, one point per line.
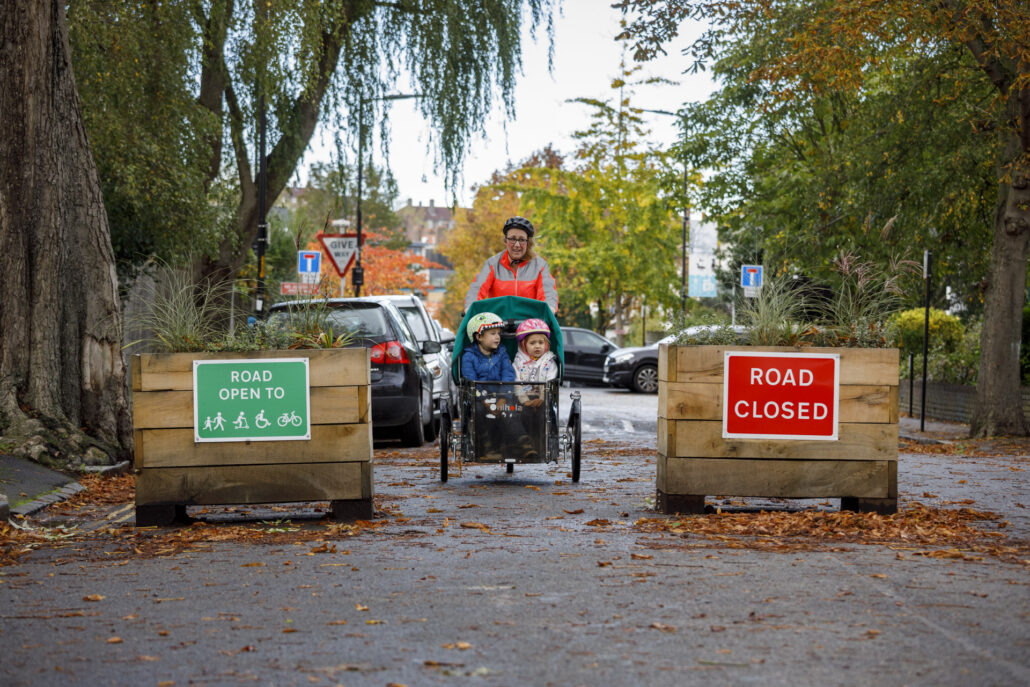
290 418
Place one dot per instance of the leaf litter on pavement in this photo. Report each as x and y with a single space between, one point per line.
917 530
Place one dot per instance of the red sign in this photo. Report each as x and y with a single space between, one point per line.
292 288
341 249
780 395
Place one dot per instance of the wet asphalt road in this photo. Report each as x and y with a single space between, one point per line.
527 579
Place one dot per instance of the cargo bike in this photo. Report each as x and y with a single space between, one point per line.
495 422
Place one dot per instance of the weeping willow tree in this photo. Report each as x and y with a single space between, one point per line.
332 63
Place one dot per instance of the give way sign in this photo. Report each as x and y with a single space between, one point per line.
341 249
780 395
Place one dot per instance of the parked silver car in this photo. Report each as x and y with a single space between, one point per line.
425 329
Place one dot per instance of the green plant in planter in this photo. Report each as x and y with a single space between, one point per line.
788 312
777 315
182 315
859 311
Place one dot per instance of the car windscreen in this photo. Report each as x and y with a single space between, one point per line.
414 319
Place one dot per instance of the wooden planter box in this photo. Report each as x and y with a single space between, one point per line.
173 470
694 459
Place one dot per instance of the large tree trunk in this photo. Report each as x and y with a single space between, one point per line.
999 406
62 380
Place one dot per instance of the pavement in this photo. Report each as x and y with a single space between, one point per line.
27 487
494 579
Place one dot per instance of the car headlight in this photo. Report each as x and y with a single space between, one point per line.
622 357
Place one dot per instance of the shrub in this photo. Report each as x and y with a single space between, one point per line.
184 316
907 330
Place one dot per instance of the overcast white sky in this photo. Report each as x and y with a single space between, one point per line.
586 59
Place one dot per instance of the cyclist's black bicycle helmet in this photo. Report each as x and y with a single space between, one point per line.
518 223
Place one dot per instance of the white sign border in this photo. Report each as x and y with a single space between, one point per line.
726 434
197 439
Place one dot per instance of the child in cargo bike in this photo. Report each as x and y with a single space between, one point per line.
484 361
534 362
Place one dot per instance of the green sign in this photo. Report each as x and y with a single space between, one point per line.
251 400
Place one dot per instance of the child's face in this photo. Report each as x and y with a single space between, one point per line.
536 345
490 340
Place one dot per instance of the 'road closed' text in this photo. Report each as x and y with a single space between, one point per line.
772 395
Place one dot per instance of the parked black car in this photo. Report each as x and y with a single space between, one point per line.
402 385
439 363
585 352
634 368
637 368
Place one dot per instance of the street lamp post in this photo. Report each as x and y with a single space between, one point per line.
686 216
261 242
358 273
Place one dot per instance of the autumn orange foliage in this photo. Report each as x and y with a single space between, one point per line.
386 270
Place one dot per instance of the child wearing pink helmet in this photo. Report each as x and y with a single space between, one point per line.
534 361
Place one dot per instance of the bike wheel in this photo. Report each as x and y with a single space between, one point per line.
445 440
576 426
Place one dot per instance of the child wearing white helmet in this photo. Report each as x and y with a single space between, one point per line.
534 361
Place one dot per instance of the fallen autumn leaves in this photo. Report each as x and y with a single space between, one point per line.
918 530
950 533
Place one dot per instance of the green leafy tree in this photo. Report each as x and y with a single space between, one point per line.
312 63
329 195
939 90
607 226
151 138
477 230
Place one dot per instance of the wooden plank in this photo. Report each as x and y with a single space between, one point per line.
666 438
666 372
778 478
137 447
703 439
165 448
365 404
893 404
254 484
134 365
865 366
327 367
701 401
661 480
172 409
689 401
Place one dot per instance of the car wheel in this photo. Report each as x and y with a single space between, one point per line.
429 430
412 431
645 379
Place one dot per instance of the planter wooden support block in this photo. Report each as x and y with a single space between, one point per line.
694 460
173 471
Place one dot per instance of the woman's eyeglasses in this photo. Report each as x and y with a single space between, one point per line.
517 240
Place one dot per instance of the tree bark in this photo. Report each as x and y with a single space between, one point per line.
999 406
62 379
